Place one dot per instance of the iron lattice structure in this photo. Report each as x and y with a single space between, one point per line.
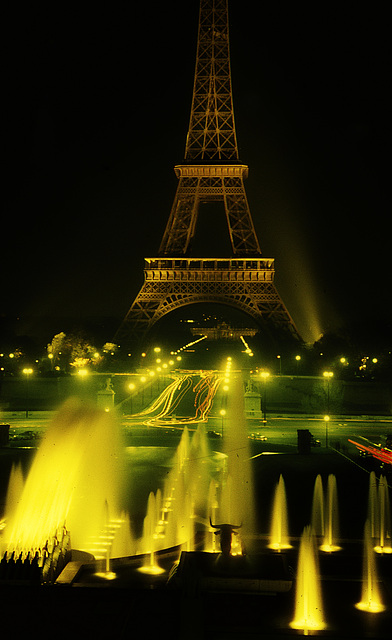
211 172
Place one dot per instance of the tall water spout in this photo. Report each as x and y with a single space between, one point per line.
371 598
317 517
279 525
81 451
373 506
309 614
237 502
384 514
331 517
15 488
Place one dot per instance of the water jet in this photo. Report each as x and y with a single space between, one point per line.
309 615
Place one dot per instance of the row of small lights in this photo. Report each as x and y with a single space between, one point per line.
152 372
186 346
248 350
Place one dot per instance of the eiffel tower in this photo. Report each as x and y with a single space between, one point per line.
211 171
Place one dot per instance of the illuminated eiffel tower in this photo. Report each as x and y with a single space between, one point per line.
211 171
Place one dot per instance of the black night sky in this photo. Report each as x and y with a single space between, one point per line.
97 101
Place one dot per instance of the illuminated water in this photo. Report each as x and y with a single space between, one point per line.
379 514
309 613
371 598
331 517
237 504
75 479
317 517
279 538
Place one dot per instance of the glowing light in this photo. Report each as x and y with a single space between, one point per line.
157 349
264 374
27 371
328 374
379 549
82 372
152 570
298 358
106 575
329 548
131 386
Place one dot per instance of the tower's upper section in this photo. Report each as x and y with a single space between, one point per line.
211 136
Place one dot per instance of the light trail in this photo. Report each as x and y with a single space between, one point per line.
171 397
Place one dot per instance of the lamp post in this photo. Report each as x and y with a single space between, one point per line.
264 375
326 420
27 371
327 375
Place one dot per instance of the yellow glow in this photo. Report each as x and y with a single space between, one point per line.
329 548
326 418
298 358
50 356
222 412
225 388
152 570
278 546
264 375
131 386
370 607
328 374
379 549
27 371
82 372
107 575
157 349
143 379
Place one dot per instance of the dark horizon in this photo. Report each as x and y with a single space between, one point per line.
96 120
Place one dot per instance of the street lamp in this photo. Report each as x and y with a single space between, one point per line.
264 375
326 420
27 371
328 375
